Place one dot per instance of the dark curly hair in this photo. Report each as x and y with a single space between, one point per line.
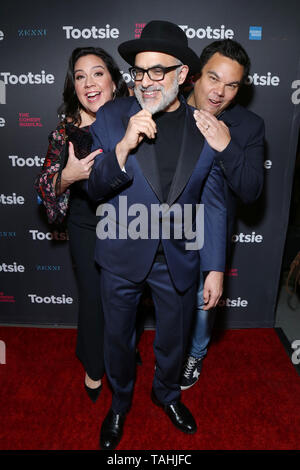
71 106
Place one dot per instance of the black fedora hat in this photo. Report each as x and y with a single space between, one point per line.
161 36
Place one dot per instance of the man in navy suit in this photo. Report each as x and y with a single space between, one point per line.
155 169
238 137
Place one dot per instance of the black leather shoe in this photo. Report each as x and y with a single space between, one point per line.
178 413
111 430
93 393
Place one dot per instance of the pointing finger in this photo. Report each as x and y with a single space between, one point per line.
92 155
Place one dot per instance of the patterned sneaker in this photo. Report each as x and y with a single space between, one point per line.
191 372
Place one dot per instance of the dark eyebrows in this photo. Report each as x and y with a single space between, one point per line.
211 72
94 67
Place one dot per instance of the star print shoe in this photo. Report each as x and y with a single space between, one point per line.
191 372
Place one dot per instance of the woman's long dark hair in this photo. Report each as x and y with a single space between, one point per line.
71 106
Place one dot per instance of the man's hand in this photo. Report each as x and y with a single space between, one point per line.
215 132
139 126
213 288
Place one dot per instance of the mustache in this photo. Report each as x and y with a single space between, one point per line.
151 88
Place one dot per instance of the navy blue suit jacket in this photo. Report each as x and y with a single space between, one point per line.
242 161
196 180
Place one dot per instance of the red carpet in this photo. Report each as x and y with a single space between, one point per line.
248 396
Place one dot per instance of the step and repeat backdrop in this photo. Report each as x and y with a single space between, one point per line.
37 281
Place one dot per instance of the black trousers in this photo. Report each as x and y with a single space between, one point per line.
90 330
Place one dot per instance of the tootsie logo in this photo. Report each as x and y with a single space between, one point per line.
207 32
239 302
246 238
94 32
29 161
28 78
55 235
263 80
14 267
51 299
11 199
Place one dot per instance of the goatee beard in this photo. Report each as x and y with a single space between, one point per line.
167 98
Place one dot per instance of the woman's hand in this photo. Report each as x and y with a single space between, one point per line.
75 169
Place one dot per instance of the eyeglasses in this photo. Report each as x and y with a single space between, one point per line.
156 73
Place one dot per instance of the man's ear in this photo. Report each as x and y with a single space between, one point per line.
183 74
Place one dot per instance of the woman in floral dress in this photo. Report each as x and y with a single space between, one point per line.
92 79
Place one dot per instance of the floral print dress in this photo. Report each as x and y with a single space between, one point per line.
57 206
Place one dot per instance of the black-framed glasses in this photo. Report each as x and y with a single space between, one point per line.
156 73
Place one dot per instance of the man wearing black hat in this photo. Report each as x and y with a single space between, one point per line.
154 157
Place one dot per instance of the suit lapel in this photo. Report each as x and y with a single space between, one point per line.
191 148
230 116
145 156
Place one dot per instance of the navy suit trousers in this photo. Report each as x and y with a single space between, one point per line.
173 312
